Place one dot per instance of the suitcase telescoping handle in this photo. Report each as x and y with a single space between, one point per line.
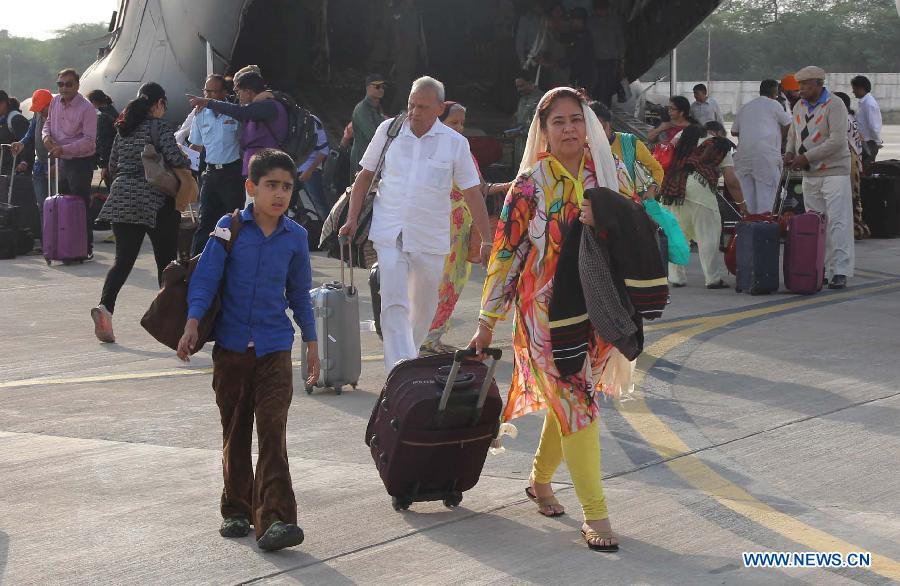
495 353
349 242
12 170
54 174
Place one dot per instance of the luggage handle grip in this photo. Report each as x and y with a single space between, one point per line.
12 169
349 242
458 356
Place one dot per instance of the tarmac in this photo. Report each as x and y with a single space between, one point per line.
759 424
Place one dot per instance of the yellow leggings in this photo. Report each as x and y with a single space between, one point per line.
581 451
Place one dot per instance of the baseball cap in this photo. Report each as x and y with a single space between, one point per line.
789 83
374 78
810 72
40 99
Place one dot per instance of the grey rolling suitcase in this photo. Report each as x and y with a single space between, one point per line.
336 309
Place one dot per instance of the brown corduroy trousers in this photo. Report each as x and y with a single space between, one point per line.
248 386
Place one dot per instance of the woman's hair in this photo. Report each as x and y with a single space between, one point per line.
14 105
99 97
684 106
449 108
715 127
138 109
547 103
690 138
602 111
846 99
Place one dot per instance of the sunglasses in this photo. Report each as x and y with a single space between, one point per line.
65 84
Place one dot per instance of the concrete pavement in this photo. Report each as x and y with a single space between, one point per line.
760 424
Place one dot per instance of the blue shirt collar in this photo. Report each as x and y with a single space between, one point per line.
247 216
822 99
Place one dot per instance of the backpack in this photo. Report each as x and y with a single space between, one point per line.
301 139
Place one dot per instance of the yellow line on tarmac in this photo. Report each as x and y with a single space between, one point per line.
696 473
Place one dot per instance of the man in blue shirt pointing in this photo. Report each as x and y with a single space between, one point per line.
267 271
222 190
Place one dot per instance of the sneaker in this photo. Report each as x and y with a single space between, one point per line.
838 282
235 527
103 324
90 257
280 535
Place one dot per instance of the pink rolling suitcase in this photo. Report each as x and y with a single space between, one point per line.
804 253
65 225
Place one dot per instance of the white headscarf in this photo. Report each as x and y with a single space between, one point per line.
598 143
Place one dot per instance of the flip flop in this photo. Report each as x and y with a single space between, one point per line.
543 502
590 536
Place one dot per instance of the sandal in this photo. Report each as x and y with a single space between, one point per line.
543 502
590 536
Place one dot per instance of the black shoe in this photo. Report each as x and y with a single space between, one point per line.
720 284
235 527
280 535
838 282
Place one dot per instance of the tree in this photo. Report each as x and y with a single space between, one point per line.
35 63
756 39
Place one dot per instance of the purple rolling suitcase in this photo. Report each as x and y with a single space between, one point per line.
65 226
804 253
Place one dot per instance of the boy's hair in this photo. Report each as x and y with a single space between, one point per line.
701 87
266 160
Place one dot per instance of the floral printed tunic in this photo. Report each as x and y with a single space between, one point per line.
537 214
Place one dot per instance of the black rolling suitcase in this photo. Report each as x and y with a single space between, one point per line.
880 195
758 265
431 428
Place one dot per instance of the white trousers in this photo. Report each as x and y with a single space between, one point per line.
832 197
759 189
704 226
409 299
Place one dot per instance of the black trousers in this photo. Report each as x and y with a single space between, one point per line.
221 192
75 177
129 237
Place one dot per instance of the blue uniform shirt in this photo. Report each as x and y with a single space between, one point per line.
263 276
219 135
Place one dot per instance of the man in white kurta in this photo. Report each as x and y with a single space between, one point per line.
760 125
411 216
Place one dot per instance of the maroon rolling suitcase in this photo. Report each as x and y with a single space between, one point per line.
65 226
432 426
804 253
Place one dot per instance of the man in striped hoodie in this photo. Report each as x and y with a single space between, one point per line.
817 145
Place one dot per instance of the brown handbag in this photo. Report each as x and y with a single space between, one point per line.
156 172
167 315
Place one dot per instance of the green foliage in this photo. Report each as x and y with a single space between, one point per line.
757 39
35 63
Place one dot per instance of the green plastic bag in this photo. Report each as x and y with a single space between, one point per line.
679 249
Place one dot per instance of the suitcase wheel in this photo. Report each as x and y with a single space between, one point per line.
338 389
453 500
400 504
309 390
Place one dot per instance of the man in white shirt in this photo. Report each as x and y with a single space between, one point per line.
760 125
411 215
705 109
868 115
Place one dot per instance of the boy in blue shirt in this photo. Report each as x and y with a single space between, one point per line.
267 271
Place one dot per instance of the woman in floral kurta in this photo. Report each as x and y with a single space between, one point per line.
540 208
